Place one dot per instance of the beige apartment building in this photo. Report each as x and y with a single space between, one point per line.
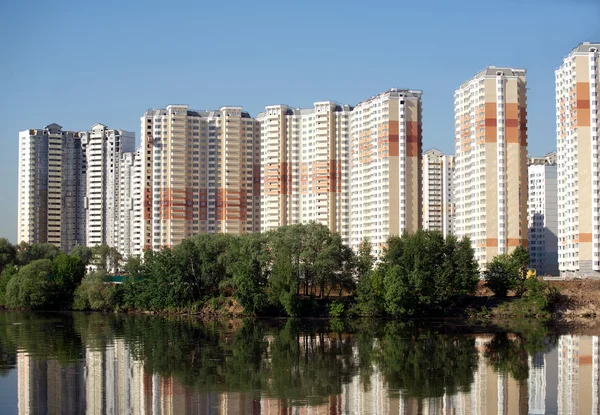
201 174
577 165
385 162
305 166
52 183
438 207
490 181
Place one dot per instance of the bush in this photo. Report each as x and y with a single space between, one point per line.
422 272
94 293
500 275
30 288
336 309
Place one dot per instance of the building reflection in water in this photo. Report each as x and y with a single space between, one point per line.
561 380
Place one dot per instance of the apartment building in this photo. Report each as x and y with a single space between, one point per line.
200 174
543 215
305 166
490 180
103 148
136 215
127 195
577 153
385 167
52 182
438 208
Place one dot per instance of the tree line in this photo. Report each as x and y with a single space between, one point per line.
293 270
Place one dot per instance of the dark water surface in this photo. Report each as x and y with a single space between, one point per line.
107 364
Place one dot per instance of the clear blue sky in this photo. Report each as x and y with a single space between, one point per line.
79 63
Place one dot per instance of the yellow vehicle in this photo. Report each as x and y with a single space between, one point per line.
531 273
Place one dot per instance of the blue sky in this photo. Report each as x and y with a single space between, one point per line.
79 63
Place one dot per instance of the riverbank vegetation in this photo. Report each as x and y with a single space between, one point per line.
298 270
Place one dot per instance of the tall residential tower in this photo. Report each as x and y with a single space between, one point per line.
438 207
542 215
104 148
578 157
200 174
52 182
385 161
305 166
490 181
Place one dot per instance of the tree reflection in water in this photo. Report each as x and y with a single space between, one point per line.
295 361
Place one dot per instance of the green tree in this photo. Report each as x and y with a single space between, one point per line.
365 259
520 259
27 253
7 274
65 275
31 287
283 284
501 275
8 253
246 261
86 254
106 258
95 293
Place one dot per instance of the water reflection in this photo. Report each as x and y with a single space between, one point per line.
96 364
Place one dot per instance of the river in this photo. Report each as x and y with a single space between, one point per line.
76 363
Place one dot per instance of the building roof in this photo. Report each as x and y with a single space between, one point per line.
494 71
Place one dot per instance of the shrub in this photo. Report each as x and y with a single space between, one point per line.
336 309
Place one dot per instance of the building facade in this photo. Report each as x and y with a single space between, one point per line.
490 181
137 191
104 148
438 207
543 215
200 174
52 182
385 162
577 153
305 166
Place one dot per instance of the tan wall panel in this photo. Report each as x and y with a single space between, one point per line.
490 90
491 195
582 72
513 184
511 89
394 196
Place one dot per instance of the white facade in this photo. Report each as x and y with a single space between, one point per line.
104 147
543 218
577 132
438 207
127 194
137 187
51 187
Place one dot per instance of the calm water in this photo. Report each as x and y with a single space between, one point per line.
98 364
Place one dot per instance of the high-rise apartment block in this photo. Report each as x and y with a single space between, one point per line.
355 170
201 174
52 173
490 181
104 148
438 207
305 165
578 157
386 141
543 215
